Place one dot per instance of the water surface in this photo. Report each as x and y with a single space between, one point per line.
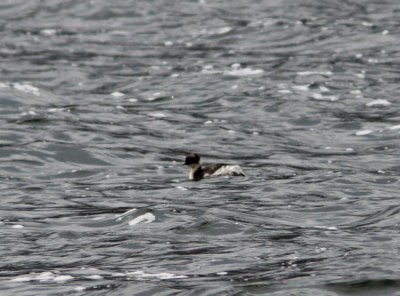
100 101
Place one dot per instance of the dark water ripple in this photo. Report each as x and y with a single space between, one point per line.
99 101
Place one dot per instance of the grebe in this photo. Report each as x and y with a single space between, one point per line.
197 172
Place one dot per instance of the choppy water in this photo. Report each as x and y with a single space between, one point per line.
99 101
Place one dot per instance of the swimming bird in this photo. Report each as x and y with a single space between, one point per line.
197 172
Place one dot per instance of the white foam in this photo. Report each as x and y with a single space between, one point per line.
161 276
367 24
117 94
320 97
301 87
94 277
360 75
308 73
385 32
27 88
30 112
157 115
145 218
181 188
324 89
318 250
120 32
216 31
21 279
244 72
48 32
356 92
54 110
17 226
4 85
395 127
327 227
63 278
118 274
80 289
363 132
168 43
378 102
223 30
235 66
209 69
46 276
284 91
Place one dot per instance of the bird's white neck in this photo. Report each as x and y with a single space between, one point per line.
193 169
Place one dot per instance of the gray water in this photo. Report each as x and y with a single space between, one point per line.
100 100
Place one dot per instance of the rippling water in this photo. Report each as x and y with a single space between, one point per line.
100 100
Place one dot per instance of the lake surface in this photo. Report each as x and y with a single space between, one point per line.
100 100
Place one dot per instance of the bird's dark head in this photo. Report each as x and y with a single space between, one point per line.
192 159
